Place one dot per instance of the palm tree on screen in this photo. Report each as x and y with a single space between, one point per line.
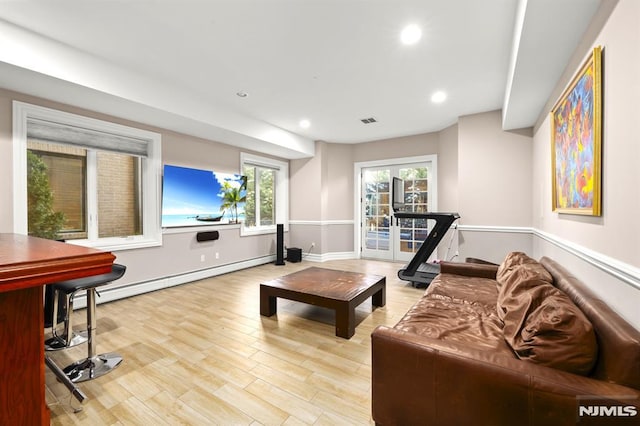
234 195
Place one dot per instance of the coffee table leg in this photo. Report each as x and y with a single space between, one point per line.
379 298
268 305
345 321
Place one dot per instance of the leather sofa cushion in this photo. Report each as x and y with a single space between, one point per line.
460 309
527 274
512 265
542 325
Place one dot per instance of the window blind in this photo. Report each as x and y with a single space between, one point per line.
86 138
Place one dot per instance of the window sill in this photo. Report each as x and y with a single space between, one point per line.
119 244
263 230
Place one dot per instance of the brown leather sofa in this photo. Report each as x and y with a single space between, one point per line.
475 351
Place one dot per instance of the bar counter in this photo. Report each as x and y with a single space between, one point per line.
26 265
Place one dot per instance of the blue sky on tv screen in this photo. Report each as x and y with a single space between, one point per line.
187 193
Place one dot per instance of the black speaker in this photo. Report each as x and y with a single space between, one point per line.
294 254
207 236
280 244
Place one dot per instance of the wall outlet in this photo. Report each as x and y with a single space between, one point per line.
202 258
313 245
217 255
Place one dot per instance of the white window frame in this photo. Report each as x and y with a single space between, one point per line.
281 192
151 171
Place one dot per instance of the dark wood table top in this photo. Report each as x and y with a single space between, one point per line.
327 283
30 262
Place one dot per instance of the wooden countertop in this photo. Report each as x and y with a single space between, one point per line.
30 262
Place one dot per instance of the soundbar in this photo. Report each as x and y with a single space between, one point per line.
207 236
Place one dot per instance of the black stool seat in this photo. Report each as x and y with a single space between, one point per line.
65 291
93 365
71 286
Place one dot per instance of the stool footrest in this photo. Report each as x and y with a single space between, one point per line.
92 368
57 343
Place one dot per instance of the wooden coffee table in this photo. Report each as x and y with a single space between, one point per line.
338 290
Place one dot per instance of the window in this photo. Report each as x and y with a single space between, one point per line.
267 194
260 207
101 178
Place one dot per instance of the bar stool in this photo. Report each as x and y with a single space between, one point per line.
54 315
94 365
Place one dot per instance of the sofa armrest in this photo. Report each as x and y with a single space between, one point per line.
469 269
416 379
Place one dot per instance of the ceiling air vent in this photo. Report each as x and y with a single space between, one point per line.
368 120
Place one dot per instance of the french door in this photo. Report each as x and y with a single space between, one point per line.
383 236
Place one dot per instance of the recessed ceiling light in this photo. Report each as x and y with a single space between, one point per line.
242 94
438 97
304 123
410 34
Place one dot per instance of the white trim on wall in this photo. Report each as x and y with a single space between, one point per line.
501 229
322 222
116 293
325 257
622 271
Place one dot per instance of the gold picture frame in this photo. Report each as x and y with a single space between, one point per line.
576 142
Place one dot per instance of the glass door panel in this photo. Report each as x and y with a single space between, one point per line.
413 232
383 235
376 221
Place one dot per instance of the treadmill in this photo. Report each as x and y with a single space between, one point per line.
418 271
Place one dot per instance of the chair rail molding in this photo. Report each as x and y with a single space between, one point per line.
322 222
621 270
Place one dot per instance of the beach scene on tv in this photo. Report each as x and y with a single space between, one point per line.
193 197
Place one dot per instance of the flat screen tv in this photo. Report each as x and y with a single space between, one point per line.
397 194
194 197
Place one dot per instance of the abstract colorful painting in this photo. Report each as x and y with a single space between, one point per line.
576 142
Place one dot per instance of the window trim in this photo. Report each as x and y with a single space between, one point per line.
151 170
282 192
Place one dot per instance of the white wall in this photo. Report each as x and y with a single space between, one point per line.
611 241
494 180
448 198
494 172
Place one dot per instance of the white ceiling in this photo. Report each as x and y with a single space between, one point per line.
179 64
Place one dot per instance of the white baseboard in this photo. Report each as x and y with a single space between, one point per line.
116 293
325 257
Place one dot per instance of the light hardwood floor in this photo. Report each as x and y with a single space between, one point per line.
201 354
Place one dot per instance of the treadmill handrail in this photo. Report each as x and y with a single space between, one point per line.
431 215
443 223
